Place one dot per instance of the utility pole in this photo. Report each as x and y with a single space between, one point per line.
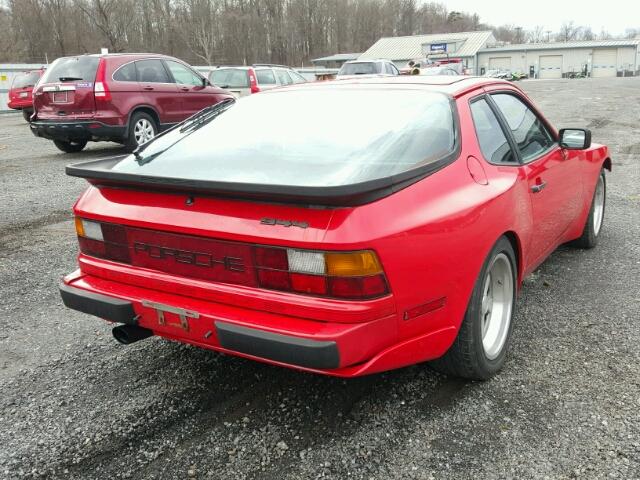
548 36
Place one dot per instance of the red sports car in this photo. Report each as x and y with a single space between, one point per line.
343 228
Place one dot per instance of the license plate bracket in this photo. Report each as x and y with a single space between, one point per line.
60 97
165 320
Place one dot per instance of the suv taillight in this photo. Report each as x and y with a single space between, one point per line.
253 81
100 87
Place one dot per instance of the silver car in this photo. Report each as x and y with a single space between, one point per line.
368 67
242 81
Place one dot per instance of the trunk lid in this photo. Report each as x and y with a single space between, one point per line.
67 88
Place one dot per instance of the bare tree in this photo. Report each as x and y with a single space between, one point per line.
536 35
569 31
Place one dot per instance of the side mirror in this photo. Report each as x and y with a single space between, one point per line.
575 138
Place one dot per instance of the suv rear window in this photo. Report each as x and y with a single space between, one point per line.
342 136
25 80
360 68
230 78
81 69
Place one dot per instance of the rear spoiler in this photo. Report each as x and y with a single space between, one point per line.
101 173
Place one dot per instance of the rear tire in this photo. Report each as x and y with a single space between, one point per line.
479 350
595 220
142 128
70 147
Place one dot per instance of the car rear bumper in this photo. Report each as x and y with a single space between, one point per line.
18 104
81 130
339 349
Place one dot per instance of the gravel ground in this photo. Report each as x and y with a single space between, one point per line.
75 404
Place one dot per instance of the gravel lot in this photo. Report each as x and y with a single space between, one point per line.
75 404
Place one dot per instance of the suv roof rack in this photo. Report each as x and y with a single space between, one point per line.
269 65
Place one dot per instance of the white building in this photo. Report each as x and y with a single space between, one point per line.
606 58
439 46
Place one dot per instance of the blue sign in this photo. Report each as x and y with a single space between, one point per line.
438 47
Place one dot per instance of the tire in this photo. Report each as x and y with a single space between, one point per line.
26 114
142 128
70 147
479 350
595 219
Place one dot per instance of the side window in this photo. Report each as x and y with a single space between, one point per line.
283 77
182 74
265 76
126 73
152 71
492 140
394 69
297 78
530 134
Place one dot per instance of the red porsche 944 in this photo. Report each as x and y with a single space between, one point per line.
343 228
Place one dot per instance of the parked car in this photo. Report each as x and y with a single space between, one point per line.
430 71
123 98
347 237
368 67
20 93
243 81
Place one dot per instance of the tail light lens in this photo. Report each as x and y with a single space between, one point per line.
103 240
100 88
344 275
347 275
253 81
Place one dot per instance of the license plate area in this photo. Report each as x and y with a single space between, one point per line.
60 97
24 94
171 316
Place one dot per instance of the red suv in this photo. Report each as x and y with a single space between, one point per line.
123 98
21 91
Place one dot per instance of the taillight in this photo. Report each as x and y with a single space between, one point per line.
347 275
344 275
100 87
253 82
103 240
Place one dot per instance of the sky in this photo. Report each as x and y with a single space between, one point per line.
614 16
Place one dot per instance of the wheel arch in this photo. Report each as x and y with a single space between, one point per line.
514 239
149 110
607 163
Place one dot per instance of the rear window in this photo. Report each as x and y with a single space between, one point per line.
25 80
68 69
319 138
360 68
230 78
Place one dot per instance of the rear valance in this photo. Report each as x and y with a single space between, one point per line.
101 173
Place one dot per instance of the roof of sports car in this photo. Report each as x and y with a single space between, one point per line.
449 84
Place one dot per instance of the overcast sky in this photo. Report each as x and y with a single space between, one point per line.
613 16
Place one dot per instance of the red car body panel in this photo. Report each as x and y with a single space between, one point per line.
21 98
431 252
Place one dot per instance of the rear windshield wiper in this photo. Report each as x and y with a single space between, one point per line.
205 115
69 79
191 124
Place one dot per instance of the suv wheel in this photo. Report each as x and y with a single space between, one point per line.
142 128
70 147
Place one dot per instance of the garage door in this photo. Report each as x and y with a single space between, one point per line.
500 63
550 66
605 63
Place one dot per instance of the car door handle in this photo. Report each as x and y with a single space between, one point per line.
184 89
148 87
539 187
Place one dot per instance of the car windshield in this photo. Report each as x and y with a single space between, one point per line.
72 69
360 68
25 80
342 136
230 78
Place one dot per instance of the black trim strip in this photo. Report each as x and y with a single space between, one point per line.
281 348
103 306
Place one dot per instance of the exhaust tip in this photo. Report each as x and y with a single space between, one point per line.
128 334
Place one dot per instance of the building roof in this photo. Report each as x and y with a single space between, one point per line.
563 45
407 48
338 57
